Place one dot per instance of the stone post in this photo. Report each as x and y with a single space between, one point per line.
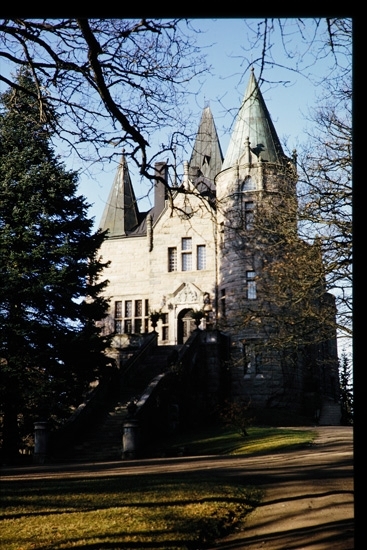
213 364
41 434
131 439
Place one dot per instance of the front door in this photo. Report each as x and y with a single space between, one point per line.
186 326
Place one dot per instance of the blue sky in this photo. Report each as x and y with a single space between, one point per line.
225 41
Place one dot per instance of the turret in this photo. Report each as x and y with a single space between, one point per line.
207 154
120 215
253 126
257 179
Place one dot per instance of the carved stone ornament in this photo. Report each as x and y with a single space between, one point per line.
187 293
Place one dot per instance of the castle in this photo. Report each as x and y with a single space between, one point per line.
199 256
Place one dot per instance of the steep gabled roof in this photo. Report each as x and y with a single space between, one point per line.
121 213
254 122
207 153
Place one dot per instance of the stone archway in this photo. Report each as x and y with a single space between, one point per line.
185 325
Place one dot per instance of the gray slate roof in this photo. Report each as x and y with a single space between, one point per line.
120 214
254 122
207 153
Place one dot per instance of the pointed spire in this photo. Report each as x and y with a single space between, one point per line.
121 212
253 123
207 154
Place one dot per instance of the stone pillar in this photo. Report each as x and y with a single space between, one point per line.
41 434
131 439
213 365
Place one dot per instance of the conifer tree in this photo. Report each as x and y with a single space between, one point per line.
346 390
50 346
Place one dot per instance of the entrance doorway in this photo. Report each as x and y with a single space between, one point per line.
185 326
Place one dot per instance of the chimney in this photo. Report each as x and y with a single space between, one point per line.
160 191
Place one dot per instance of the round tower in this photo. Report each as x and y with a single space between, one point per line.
255 181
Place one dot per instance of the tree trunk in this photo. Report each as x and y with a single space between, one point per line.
10 449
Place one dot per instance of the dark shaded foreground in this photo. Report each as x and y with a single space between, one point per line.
309 494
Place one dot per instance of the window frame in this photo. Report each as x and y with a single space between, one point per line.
136 316
248 213
172 259
223 302
252 359
248 184
165 327
186 254
251 287
200 261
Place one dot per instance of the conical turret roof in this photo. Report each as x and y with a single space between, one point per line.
254 122
120 213
207 154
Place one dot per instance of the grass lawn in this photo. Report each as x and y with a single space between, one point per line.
166 511
261 440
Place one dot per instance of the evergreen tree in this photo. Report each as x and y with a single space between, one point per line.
346 390
50 346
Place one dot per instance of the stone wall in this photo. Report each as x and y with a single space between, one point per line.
140 272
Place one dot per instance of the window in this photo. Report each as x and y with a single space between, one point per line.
201 257
131 318
146 316
248 184
138 323
172 259
128 326
223 302
128 308
118 326
252 359
118 317
118 310
186 243
138 308
186 262
165 326
137 326
249 214
251 285
186 248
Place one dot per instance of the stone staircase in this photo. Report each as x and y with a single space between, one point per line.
330 413
103 442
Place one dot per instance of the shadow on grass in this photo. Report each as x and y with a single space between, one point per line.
195 508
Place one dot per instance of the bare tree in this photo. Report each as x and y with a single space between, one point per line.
326 179
326 201
293 47
292 308
113 82
325 159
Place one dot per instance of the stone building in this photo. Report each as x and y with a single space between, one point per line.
197 250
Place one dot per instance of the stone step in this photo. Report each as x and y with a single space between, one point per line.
104 441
